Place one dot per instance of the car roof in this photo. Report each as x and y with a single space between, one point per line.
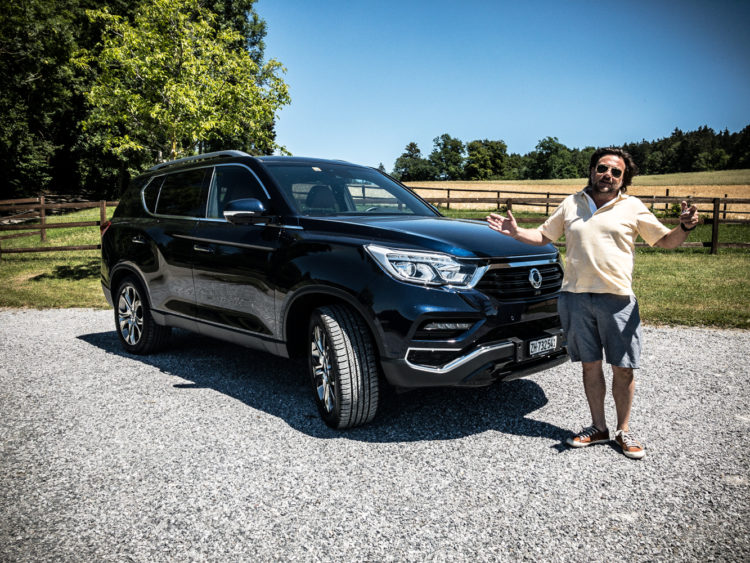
209 159
301 160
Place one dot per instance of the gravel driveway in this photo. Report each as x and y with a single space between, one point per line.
208 451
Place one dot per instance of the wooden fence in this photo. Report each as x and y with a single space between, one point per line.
37 209
717 208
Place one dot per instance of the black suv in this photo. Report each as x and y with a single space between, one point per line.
333 261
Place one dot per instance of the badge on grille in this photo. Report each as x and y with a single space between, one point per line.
535 278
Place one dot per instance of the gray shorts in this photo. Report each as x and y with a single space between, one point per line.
601 321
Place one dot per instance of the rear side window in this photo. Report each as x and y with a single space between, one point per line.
151 194
183 194
230 183
130 202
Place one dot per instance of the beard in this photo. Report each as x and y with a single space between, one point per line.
603 187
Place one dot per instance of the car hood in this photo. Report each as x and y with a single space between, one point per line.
459 237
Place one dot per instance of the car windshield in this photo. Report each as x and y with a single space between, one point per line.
325 189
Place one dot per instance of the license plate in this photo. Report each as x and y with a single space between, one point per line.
542 345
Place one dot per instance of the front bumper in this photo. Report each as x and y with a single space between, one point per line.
505 359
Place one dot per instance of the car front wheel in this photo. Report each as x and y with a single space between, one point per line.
343 367
135 326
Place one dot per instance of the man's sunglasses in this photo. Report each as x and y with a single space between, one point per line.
602 168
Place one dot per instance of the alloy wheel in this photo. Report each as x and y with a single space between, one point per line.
130 315
324 380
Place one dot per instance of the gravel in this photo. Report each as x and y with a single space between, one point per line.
208 451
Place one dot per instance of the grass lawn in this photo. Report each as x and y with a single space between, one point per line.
686 286
54 279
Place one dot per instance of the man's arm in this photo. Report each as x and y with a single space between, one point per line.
508 227
678 235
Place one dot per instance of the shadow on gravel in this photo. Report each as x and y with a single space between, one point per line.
280 388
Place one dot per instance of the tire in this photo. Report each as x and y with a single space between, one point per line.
135 326
343 367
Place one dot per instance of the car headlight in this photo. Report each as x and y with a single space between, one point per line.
426 268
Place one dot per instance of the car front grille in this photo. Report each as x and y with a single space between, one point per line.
511 283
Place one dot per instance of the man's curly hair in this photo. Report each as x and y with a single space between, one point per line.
630 167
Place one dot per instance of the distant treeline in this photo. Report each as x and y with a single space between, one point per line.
452 159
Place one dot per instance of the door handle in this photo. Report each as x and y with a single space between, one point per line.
202 248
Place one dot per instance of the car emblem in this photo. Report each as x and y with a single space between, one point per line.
535 278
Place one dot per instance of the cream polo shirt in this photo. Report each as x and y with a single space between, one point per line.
601 244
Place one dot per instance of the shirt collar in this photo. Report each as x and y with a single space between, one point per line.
592 205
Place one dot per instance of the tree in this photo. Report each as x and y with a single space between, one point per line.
447 157
551 159
173 79
35 44
240 16
412 166
485 160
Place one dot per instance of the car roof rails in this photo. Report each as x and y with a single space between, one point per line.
197 157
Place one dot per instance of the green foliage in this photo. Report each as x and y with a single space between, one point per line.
412 166
448 157
552 159
486 160
698 150
35 42
701 150
43 147
171 80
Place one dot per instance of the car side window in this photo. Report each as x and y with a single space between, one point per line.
230 183
182 194
151 194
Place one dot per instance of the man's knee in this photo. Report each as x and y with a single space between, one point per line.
622 375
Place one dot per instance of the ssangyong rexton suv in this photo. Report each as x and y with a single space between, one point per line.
334 261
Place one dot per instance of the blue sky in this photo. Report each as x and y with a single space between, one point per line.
366 78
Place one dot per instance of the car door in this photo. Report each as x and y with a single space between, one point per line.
180 202
232 264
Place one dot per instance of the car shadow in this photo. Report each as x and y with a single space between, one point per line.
280 387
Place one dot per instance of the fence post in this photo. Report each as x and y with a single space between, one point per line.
102 215
43 217
498 200
666 205
546 207
448 205
509 205
724 215
715 228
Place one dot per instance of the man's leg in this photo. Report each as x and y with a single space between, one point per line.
596 390
623 388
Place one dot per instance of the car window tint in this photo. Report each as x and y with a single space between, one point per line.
339 189
230 183
151 193
182 194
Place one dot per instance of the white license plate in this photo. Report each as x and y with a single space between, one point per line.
542 345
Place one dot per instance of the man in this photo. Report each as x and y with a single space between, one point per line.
597 306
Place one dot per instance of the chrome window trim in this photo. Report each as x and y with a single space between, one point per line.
210 187
191 217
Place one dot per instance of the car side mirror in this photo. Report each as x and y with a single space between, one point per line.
245 211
